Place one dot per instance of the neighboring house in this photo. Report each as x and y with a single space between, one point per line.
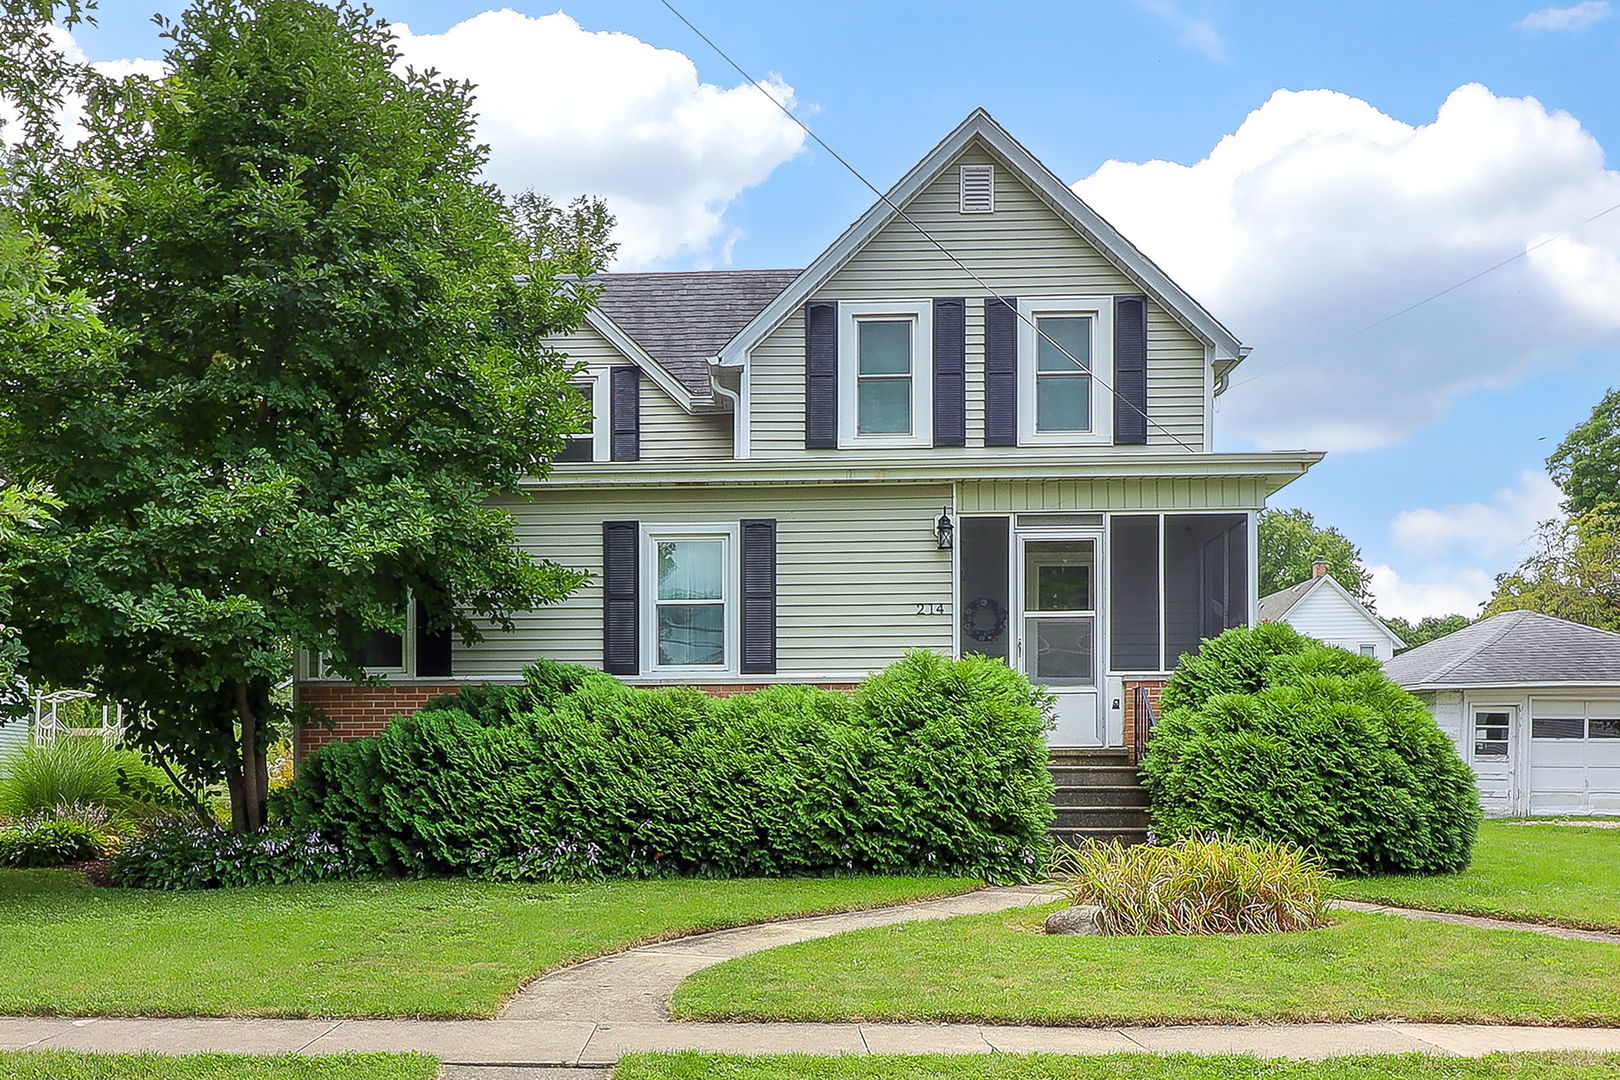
1321 608
1533 704
798 475
13 738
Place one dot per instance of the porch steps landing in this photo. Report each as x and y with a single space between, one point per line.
1098 796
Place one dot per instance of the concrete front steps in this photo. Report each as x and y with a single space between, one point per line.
1098 796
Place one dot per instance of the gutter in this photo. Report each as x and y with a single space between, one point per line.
1280 467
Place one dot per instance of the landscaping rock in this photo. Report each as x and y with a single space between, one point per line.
1079 919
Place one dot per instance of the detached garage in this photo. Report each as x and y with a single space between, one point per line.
1533 704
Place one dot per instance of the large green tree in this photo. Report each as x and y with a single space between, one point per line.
1572 572
39 312
329 357
1587 463
1291 540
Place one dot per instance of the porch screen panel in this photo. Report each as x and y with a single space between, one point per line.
1206 586
1133 595
985 600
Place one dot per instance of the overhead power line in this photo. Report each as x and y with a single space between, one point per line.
819 141
1336 342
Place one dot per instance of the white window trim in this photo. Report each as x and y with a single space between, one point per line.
1101 311
921 312
601 388
1367 648
731 595
407 652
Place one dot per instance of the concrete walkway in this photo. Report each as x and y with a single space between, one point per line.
592 1013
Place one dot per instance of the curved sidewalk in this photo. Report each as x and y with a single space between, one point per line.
594 1012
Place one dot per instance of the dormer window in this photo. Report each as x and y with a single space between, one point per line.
594 441
885 373
978 191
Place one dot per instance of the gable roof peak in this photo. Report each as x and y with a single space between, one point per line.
980 126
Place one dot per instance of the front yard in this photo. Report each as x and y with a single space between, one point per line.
1565 874
407 948
1002 969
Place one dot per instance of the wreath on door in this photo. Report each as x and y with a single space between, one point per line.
983 619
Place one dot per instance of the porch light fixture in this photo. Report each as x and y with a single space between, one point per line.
944 531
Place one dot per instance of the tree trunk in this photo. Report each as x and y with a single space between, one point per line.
248 777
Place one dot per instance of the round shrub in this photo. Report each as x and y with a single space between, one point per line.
1318 749
933 765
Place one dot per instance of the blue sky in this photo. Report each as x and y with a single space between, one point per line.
1322 212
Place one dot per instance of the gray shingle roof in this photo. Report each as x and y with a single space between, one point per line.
683 318
1276 605
1513 647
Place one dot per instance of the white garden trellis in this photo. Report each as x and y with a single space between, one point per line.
50 726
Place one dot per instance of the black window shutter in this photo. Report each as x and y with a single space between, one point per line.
1001 371
950 372
433 646
625 405
758 596
821 375
1130 369
621 597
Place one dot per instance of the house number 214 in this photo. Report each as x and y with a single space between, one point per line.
930 609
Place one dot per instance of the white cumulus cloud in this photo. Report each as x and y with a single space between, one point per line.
1321 215
1575 17
1491 531
1457 592
570 111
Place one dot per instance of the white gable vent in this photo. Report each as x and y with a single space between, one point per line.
978 189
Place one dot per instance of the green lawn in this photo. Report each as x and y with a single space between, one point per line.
1545 873
1000 969
409 948
1116 1067
59 1065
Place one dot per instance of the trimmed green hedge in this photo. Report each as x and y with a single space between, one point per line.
932 765
1270 734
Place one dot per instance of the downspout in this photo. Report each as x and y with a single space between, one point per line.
739 414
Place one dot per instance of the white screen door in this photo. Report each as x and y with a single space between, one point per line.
1059 637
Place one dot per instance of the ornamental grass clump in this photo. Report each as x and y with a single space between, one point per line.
1213 886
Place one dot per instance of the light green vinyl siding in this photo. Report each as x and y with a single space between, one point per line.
1182 493
853 564
668 431
1024 249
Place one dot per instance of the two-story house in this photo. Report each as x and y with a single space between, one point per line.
979 422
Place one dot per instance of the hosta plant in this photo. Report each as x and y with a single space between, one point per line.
1197 886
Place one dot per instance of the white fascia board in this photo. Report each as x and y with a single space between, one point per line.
1374 620
1280 468
638 356
980 125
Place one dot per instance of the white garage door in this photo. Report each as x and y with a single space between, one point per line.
1574 756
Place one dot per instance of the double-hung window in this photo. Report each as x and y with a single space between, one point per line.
692 599
885 373
1062 346
593 441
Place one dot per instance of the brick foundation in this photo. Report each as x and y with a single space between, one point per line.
1136 725
359 711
